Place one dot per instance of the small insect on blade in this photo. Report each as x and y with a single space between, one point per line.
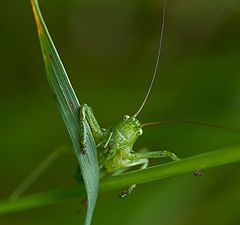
124 194
127 191
197 173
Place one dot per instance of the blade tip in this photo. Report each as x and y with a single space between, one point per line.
38 23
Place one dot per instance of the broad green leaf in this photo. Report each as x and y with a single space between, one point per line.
69 109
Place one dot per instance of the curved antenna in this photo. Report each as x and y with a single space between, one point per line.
192 122
157 61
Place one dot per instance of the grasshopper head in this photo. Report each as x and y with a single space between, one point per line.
130 128
132 123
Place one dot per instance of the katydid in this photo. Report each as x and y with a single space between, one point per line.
115 144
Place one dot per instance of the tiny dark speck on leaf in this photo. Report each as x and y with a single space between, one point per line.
50 57
54 97
71 104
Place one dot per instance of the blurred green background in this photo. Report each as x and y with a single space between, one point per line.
109 50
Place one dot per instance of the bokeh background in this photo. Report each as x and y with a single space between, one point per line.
109 50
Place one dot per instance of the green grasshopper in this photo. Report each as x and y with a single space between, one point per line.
115 144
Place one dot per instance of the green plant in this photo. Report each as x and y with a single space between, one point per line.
67 107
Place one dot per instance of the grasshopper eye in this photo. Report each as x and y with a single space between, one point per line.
139 132
126 117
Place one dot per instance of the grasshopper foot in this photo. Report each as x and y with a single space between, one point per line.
84 149
127 191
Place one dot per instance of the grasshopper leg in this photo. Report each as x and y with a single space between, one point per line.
142 158
128 191
154 155
86 115
82 129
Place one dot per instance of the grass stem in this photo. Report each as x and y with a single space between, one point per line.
202 161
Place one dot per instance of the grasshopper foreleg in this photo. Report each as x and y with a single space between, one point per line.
86 114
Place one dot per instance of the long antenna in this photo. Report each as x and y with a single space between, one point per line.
191 122
157 62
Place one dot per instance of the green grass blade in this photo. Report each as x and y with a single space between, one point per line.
69 109
220 157
36 173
